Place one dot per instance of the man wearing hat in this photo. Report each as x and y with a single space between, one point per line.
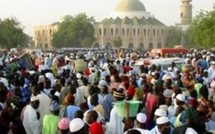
211 70
162 126
158 113
30 117
80 64
77 126
195 123
63 126
50 121
141 123
115 125
94 126
82 92
180 98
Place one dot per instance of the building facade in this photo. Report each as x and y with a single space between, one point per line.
129 22
43 35
136 27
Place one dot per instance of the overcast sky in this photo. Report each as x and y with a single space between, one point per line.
42 12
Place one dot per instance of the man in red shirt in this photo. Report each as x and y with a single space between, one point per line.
94 126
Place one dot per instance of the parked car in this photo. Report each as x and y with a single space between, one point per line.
163 62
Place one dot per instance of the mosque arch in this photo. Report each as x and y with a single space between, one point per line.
46 45
96 45
150 45
159 45
130 45
141 45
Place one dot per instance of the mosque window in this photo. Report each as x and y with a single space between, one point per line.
141 46
127 31
134 31
123 31
46 45
148 31
150 45
138 31
159 45
43 32
153 31
100 31
162 32
144 31
50 31
116 31
111 31
104 31
130 45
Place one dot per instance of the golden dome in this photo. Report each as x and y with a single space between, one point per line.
130 5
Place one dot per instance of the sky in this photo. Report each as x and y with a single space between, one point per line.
32 13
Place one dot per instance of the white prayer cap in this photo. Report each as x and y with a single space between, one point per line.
162 120
169 69
76 125
57 94
141 117
103 83
212 62
78 75
92 69
54 106
41 79
168 93
50 76
190 131
34 98
164 107
160 112
180 97
4 81
153 73
102 78
31 72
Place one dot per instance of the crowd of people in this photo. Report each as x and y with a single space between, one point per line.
75 93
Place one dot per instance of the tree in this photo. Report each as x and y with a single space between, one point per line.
75 32
117 42
174 37
11 34
202 30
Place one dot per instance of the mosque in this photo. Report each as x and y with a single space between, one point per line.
130 22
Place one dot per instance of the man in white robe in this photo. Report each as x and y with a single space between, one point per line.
30 117
44 102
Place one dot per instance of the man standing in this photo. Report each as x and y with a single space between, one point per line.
50 121
44 102
31 117
162 126
80 64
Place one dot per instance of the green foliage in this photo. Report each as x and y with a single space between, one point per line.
202 29
174 37
75 32
117 42
11 34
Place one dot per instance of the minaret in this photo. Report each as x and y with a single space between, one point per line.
186 12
